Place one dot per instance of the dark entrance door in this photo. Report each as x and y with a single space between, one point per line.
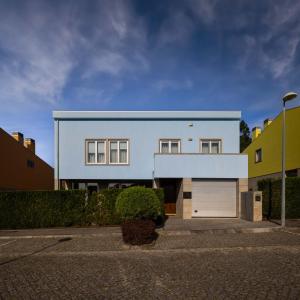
170 187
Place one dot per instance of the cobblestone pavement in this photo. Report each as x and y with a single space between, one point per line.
197 266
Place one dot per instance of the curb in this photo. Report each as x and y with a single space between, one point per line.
62 236
162 232
224 231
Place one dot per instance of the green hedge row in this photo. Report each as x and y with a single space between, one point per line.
272 197
39 209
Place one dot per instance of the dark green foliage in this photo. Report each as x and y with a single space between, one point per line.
138 203
138 232
272 197
160 194
245 138
41 209
102 207
59 208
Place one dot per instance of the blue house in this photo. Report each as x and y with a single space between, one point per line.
193 155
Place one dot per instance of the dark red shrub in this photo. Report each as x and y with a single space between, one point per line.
138 232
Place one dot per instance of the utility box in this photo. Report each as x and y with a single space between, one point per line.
251 206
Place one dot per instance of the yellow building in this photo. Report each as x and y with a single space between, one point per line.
264 153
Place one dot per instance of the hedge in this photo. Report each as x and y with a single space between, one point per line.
272 197
102 207
37 209
41 209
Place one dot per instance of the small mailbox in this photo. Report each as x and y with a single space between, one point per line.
187 195
258 198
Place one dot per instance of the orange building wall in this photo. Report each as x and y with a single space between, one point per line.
14 172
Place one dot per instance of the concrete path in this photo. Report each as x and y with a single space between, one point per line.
174 223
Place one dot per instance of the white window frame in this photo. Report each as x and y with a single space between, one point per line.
95 141
210 141
169 141
118 151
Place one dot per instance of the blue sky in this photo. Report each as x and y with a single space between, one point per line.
144 55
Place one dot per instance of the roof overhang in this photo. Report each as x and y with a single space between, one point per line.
150 115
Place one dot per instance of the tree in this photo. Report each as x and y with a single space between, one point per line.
245 138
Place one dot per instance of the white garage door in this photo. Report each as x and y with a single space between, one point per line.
214 198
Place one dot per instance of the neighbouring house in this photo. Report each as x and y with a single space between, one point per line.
21 168
193 155
265 151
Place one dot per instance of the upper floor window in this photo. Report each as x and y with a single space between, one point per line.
30 163
169 146
118 152
96 152
212 146
258 155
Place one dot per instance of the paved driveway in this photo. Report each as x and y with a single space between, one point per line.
197 266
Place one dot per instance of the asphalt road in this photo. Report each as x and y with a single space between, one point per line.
199 266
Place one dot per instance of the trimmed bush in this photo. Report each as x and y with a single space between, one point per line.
101 208
37 209
42 209
272 197
138 232
138 203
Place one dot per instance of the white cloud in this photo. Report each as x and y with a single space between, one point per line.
274 49
203 9
182 20
37 54
42 44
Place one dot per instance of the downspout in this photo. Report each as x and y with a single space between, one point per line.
153 180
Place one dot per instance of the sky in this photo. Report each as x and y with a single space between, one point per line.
144 55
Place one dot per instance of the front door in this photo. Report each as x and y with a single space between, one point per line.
170 192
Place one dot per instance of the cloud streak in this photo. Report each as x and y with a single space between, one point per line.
42 45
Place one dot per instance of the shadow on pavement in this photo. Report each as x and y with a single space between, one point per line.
37 251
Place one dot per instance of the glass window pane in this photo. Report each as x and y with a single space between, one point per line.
123 152
91 152
114 145
164 147
113 152
258 155
123 156
215 147
101 152
174 147
205 147
123 145
113 156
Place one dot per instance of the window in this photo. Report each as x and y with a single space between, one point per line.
30 163
210 146
258 155
118 152
101 152
169 146
91 152
96 147
113 154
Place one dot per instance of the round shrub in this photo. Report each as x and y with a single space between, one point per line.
138 203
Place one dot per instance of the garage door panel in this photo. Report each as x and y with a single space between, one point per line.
214 198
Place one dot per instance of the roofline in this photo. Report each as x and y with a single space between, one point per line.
267 128
147 114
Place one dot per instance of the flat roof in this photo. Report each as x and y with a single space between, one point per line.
157 114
